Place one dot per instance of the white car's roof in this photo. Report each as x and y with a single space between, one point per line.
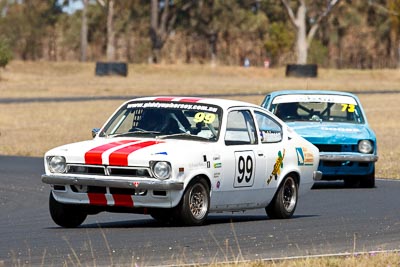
223 103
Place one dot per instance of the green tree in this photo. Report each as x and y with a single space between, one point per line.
5 53
163 18
280 41
306 21
27 24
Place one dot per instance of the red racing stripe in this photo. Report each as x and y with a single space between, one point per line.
123 200
120 157
164 99
97 199
190 100
93 156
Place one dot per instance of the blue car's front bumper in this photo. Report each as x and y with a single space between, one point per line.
347 156
333 164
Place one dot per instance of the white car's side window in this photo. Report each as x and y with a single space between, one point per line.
240 128
271 131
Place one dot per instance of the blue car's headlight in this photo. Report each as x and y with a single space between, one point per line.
365 146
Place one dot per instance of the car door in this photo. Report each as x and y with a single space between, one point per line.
272 143
242 162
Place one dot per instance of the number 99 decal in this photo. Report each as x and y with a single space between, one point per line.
244 169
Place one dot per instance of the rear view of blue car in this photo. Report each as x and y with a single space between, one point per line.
334 122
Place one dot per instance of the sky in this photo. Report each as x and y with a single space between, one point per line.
72 6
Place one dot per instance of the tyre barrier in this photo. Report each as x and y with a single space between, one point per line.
302 70
111 68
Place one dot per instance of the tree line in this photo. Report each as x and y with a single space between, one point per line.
332 33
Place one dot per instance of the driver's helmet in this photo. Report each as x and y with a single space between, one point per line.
152 120
287 111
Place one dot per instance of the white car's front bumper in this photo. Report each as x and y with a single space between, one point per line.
117 182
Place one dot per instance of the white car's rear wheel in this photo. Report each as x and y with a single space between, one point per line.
69 216
284 202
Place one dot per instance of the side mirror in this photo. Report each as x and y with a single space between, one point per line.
95 131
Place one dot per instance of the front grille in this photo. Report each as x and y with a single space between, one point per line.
82 169
336 148
108 170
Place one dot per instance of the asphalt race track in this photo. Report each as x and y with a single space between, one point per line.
330 219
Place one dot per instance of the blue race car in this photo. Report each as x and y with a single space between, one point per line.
336 124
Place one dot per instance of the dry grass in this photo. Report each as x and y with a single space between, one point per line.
366 260
44 79
33 128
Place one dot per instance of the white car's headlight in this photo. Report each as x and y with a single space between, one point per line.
57 164
365 146
161 170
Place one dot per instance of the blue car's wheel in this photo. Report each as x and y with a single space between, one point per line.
368 181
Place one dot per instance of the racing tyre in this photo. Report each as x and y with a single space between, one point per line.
284 202
352 182
68 216
164 216
195 203
368 181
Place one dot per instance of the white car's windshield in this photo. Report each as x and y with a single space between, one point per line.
165 120
318 109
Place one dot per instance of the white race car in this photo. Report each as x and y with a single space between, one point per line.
179 158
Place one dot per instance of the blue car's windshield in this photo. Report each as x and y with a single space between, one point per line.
318 111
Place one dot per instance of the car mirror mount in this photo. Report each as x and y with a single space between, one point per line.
95 131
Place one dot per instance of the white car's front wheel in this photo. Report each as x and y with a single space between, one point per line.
68 216
284 202
195 204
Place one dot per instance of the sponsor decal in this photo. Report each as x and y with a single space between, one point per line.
94 156
218 184
196 165
174 105
315 98
217 175
136 184
304 157
120 157
161 153
346 130
277 167
217 165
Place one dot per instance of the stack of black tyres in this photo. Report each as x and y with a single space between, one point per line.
299 70
111 68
